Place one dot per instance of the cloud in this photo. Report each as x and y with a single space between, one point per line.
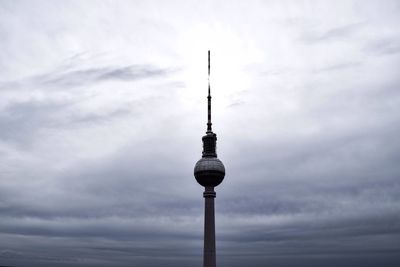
100 131
55 99
84 77
93 75
340 66
387 46
332 34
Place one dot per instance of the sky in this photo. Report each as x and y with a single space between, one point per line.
103 106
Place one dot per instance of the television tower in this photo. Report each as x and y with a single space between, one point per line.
209 172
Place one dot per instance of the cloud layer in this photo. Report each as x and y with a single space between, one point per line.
102 109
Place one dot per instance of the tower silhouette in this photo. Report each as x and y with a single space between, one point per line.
209 172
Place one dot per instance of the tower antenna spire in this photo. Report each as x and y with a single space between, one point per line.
209 129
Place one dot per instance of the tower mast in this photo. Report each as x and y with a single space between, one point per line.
209 124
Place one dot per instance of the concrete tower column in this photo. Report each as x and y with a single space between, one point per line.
209 259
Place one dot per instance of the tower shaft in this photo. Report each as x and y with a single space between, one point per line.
209 255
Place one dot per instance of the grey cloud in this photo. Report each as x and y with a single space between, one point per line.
22 123
19 121
340 66
311 153
88 76
17 255
336 67
25 121
386 46
333 34
81 77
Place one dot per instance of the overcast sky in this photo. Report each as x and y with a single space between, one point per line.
103 106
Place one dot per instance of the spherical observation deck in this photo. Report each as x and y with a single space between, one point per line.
209 171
